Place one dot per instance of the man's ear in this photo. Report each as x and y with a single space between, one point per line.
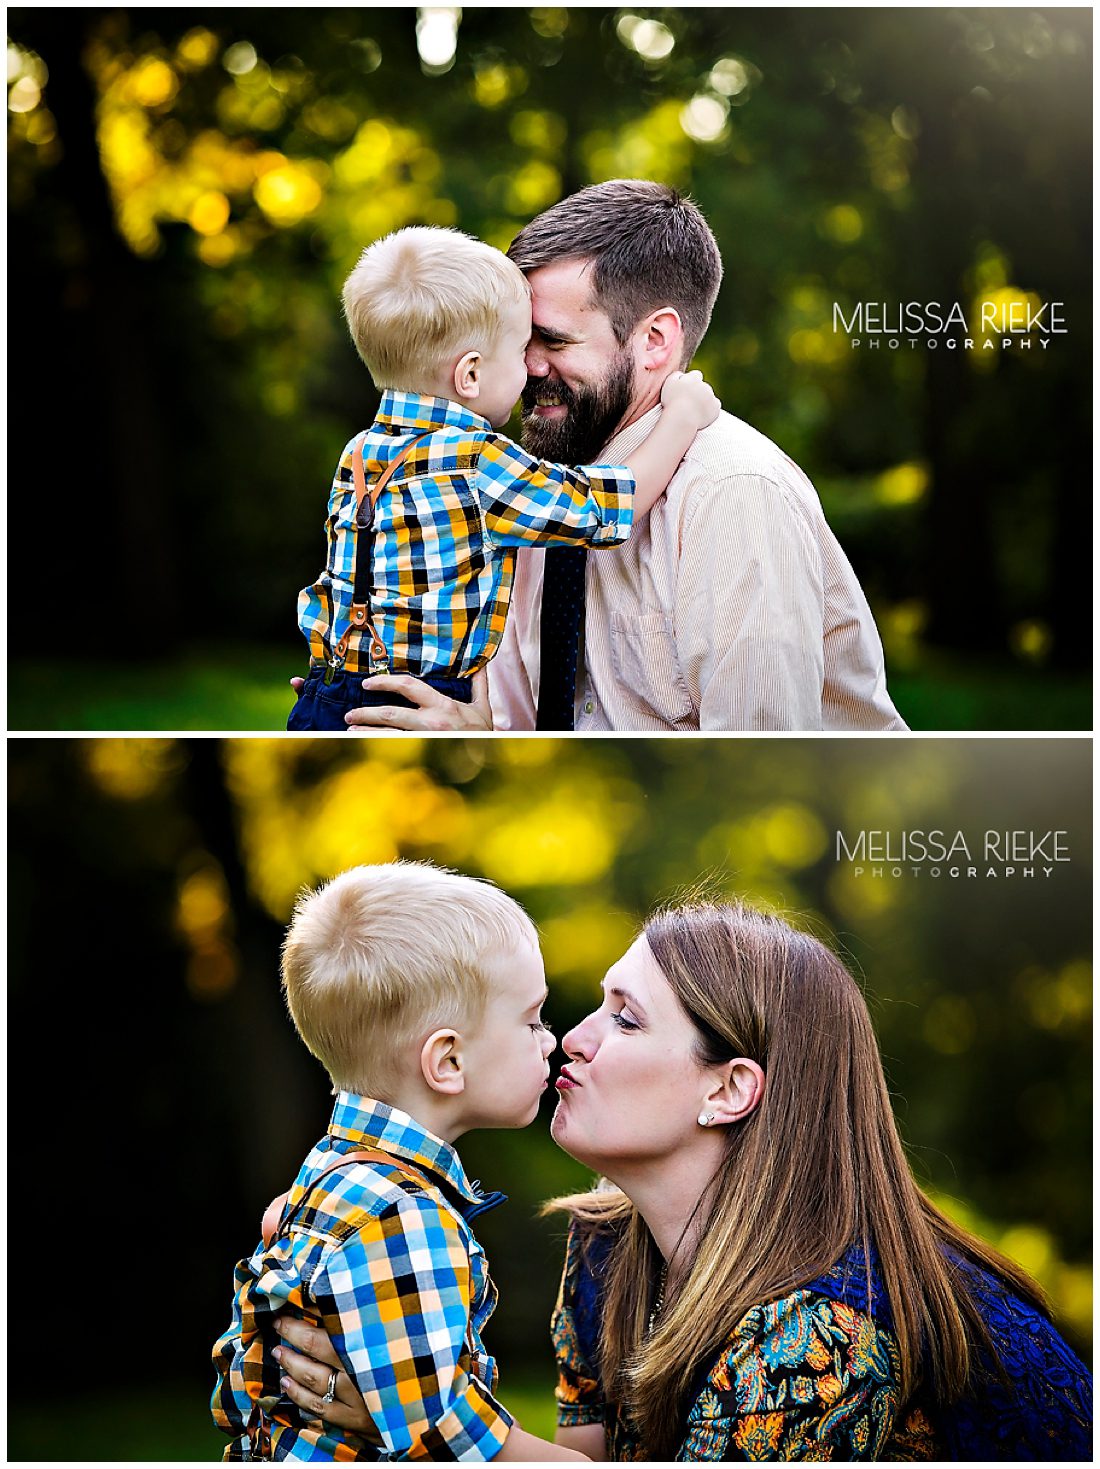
466 378
663 340
441 1062
736 1094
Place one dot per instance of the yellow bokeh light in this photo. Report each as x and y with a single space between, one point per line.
219 250
843 223
493 85
197 48
1031 639
549 843
209 214
131 769
211 971
793 836
152 82
287 194
25 95
202 903
533 187
904 484
538 131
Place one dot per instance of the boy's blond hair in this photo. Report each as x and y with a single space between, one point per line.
425 294
380 955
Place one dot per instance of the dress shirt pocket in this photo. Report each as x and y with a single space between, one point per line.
643 656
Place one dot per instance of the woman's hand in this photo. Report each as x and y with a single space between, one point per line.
308 1359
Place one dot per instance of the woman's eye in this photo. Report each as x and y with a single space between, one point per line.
623 1022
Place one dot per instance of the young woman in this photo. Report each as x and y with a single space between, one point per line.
758 1276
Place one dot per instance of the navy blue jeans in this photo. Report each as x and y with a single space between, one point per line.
322 706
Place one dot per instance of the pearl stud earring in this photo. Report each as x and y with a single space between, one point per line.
705 1119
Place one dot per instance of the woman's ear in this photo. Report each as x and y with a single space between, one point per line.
466 378
441 1062
735 1095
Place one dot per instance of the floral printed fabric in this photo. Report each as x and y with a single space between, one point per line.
804 1377
815 1375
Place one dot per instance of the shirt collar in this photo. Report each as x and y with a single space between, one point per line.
368 1122
418 410
629 438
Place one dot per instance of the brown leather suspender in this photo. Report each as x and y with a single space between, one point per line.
274 1212
365 501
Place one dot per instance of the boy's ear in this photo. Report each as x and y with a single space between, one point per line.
467 375
441 1062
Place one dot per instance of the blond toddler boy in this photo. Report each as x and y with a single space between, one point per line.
421 992
430 503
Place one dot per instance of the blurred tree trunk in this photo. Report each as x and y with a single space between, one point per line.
118 443
259 1068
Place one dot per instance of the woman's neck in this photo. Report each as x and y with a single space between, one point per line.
666 1194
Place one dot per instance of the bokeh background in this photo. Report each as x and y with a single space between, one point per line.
160 1098
188 188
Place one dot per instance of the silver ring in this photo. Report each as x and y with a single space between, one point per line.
330 1393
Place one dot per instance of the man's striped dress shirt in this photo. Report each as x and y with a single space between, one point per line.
731 607
446 531
392 1270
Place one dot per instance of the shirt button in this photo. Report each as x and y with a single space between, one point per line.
589 706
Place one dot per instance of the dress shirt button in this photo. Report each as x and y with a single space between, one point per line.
589 706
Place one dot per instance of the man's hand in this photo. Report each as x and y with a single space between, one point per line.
433 710
307 1357
690 398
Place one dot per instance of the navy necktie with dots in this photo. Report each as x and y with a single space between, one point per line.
559 634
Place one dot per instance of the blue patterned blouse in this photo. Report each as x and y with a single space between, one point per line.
815 1375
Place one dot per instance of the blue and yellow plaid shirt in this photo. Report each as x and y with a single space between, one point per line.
446 532
391 1269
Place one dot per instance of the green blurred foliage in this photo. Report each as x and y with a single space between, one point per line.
188 190
150 882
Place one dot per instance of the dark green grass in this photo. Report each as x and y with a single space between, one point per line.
175 1426
247 690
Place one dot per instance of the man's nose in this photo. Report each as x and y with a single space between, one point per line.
537 360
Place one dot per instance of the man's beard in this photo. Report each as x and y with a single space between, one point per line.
592 413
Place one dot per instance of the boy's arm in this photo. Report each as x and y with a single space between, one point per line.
588 1439
689 405
528 501
523 1447
395 1299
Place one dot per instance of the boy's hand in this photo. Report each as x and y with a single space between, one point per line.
691 399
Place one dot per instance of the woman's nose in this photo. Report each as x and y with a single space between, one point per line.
580 1042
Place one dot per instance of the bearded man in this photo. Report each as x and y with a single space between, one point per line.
732 605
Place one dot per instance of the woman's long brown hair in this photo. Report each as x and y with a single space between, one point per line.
817 1168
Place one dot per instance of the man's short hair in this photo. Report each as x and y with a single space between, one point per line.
382 954
422 295
651 247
